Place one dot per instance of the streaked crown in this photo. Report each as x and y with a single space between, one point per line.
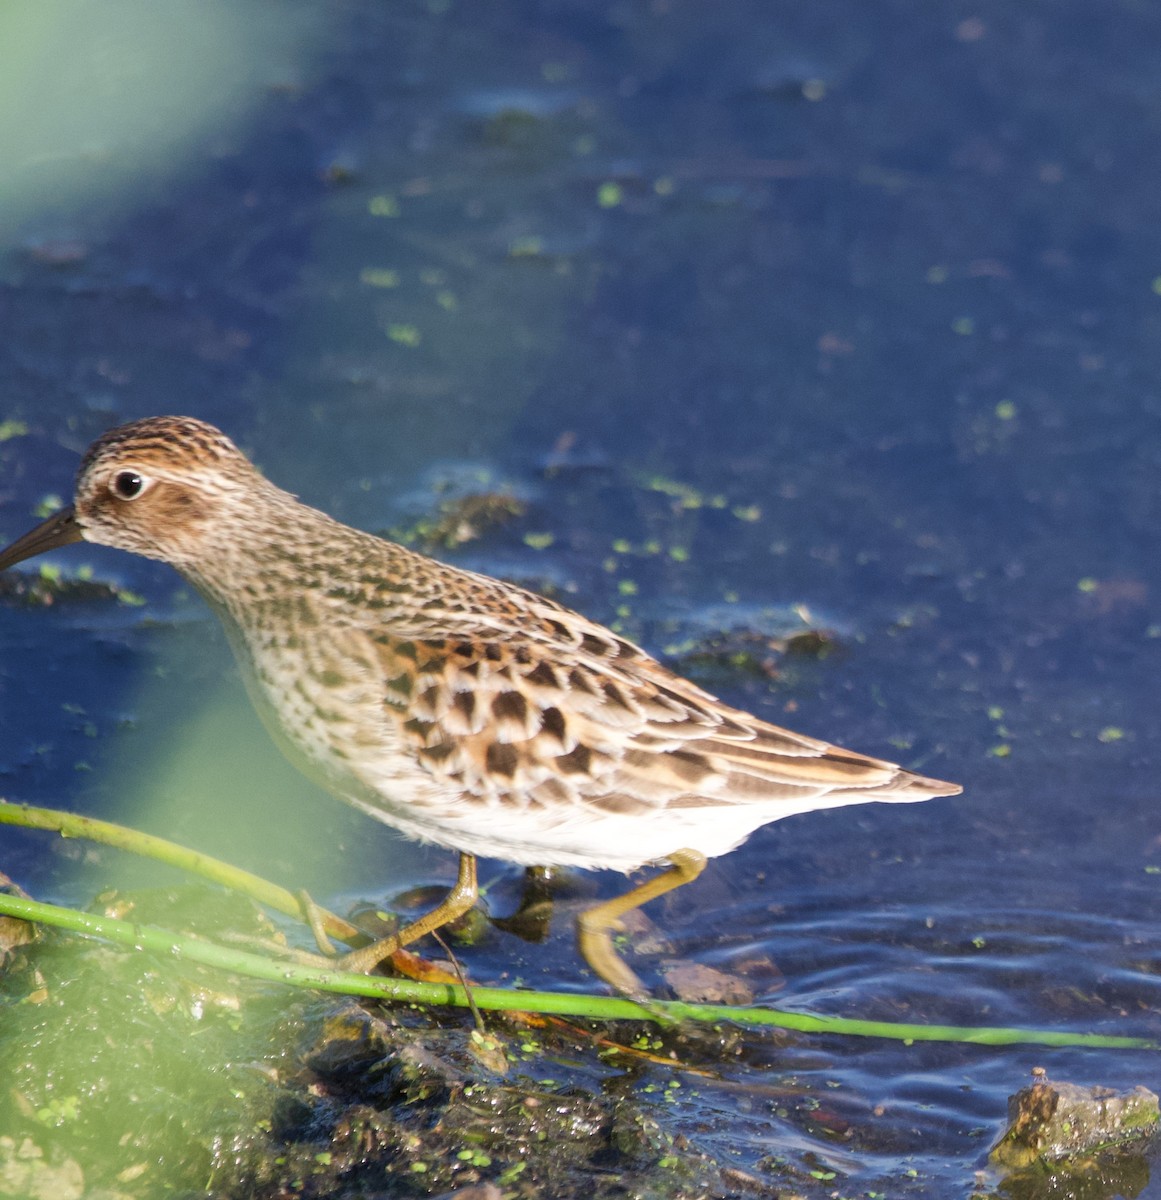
157 487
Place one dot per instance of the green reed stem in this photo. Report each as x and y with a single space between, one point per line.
604 1008
70 825
406 991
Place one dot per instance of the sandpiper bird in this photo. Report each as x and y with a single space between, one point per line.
459 709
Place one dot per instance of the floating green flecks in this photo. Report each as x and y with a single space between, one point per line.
405 335
526 247
1005 410
964 326
747 512
59 1111
1157 286
1110 733
684 493
995 713
383 206
937 274
539 541
1087 585
379 277
50 504
1001 751
11 429
622 546
627 587
447 300
609 195
679 553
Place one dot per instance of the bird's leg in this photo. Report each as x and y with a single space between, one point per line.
596 925
313 915
323 925
532 918
457 902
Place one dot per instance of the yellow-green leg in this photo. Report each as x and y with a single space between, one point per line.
596 925
457 902
315 917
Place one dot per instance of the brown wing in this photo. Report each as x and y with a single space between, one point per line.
553 707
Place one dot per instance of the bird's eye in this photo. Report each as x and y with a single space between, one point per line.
128 485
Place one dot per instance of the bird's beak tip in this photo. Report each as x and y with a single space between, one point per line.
61 529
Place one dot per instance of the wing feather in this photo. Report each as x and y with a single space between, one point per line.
568 710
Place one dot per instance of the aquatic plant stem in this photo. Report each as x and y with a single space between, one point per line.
71 825
604 1008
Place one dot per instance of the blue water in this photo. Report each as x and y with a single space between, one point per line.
882 276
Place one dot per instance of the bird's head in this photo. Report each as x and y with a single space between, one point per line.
158 487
